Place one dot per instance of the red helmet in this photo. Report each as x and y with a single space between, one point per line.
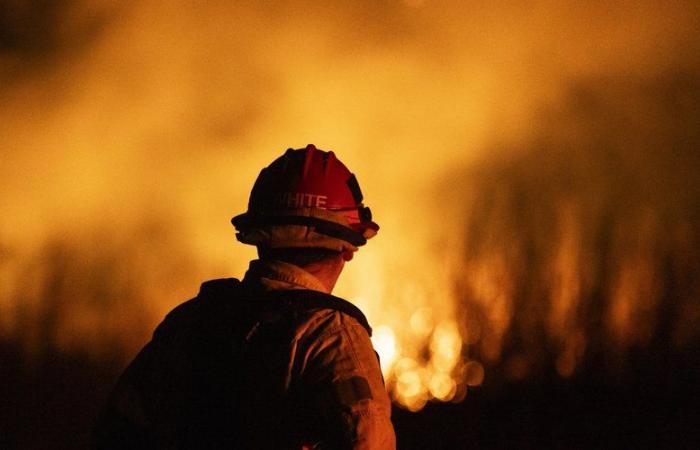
306 198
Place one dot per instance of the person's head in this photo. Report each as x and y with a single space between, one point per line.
306 206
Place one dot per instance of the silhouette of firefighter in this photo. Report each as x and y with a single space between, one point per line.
273 361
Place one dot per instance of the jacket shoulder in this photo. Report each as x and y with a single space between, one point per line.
308 301
319 300
190 311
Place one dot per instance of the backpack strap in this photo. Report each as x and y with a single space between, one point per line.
219 288
304 300
296 300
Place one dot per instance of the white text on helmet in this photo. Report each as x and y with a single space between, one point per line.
300 200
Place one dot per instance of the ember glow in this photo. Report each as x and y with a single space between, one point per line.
498 145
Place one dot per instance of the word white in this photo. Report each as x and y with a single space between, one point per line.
301 200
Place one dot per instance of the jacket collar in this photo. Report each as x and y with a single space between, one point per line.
273 275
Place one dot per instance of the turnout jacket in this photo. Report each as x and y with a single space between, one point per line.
272 362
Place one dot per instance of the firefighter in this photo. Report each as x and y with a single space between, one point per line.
273 361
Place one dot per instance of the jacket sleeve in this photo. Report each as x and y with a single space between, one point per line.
146 389
342 371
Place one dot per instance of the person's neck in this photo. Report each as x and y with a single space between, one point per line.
326 272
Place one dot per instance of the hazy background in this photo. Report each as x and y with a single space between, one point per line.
534 167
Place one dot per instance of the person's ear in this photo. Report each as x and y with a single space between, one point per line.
348 255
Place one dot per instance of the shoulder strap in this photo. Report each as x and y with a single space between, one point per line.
308 299
219 288
229 288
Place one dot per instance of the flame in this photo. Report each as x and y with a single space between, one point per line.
384 342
